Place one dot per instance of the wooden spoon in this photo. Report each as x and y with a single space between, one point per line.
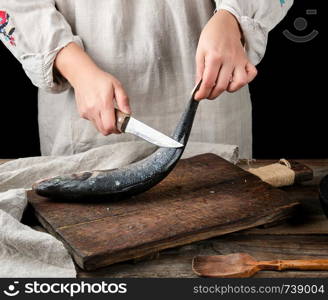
241 265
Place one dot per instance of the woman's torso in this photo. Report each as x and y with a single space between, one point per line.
149 45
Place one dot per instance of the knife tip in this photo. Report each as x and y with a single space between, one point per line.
178 146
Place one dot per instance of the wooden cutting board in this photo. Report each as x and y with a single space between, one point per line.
205 196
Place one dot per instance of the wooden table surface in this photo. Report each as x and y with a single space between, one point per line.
305 236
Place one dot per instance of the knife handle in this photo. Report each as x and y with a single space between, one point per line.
122 120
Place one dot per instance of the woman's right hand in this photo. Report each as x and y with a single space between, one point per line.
95 90
94 94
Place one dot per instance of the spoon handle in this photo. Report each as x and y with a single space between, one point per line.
297 264
306 264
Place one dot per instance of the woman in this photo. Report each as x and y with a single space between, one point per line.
85 55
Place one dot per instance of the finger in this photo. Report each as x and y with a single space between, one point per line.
97 120
122 99
83 112
95 123
106 115
251 72
239 79
212 67
108 119
222 81
200 67
92 116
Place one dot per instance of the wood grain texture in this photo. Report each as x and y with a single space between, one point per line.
305 236
176 262
205 196
243 265
302 172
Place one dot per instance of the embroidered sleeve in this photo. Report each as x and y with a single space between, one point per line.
256 18
6 29
34 31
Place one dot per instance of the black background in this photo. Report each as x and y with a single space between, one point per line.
289 116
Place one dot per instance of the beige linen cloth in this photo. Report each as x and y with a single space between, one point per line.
25 252
150 47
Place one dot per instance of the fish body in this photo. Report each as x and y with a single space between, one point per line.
129 180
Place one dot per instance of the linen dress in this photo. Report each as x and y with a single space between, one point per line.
150 46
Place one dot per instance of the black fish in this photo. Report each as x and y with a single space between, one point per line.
129 180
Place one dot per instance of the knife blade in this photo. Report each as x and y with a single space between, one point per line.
127 124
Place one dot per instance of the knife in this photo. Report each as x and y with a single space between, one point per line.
127 124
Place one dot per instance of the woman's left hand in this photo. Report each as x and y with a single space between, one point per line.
221 60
